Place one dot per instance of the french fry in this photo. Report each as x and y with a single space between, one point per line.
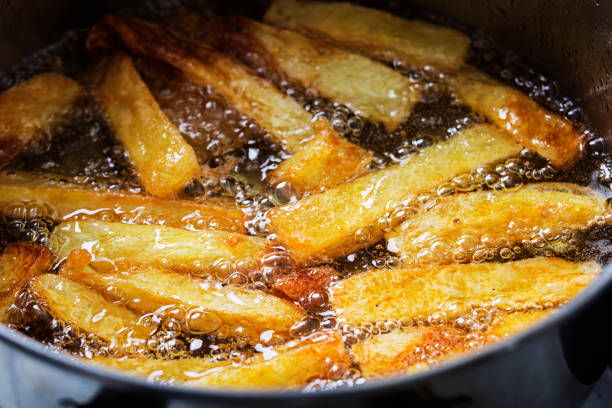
375 33
74 303
544 132
70 200
19 262
219 253
338 221
29 109
206 307
369 88
324 162
278 114
492 219
414 348
165 162
411 293
291 365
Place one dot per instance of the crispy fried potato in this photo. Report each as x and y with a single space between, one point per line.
165 162
278 114
324 162
74 303
206 307
211 252
302 284
29 109
375 33
19 262
494 219
293 364
338 221
544 132
369 88
69 201
409 293
414 348
178 370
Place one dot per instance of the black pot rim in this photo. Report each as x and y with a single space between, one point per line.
135 384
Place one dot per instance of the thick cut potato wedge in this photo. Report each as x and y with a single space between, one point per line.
375 33
324 162
206 307
410 293
344 218
19 262
494 219
29 109
212 252
278 114
73 201
544 132
165 162
369 88
291 365
414 348
76 304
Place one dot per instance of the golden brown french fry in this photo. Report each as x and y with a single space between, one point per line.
291 365
410 293
324 162
375 33
29 109
275 112
206 307
338 221
544 132
165 162
18 263
76 304
212 252
414 348
492 219
70 200
177 370
369 88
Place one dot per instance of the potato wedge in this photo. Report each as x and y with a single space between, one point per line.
165 162
324 162
29 109
544 132
76 304
219 253
415 348
19 262
375 33
338 221
290 365
69 201
206 306
278 114
463 224
367 87
410 293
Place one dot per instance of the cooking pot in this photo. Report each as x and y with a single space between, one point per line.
555 363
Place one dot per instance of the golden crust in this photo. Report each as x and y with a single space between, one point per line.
259 99
205 307
410 293
70 201
375 33
29 109
324 226
165 162
300 284
218 253
494 219
544 132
